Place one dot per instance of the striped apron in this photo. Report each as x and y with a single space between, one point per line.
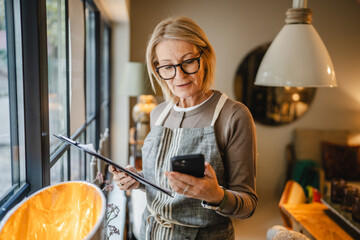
180 217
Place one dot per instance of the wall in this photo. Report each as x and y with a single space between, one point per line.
120 102
235 27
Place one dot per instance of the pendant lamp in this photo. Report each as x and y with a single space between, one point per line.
297 57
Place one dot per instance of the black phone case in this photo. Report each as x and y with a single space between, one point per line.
189 164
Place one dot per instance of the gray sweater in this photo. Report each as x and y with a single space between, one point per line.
236 139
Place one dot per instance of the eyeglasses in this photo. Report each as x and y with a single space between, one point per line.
189 66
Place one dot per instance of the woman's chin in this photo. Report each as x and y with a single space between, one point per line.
184 93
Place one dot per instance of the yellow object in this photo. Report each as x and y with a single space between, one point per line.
310 191
141 115
69 210
145 105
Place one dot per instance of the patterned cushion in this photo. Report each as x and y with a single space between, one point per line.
340 161
278 232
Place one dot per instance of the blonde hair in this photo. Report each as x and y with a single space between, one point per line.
185 29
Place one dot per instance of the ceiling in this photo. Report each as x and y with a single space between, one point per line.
115 10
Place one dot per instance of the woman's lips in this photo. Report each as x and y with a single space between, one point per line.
184 85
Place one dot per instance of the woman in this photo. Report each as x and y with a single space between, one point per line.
194 119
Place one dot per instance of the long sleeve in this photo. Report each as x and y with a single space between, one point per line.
238 144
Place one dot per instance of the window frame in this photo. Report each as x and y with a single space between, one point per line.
35 71
90 5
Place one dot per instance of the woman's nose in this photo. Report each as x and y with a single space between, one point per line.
180 73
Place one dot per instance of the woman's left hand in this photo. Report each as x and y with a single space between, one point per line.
206 188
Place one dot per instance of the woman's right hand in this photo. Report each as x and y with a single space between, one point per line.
122 180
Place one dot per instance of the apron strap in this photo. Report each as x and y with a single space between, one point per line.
164 113
218 108
168 107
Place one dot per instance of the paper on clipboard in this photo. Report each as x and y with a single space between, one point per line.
90 150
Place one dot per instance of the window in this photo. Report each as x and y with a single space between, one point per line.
5 148
56 49
78 166
105 80
60 87
90 64
12 143
58 172
57 82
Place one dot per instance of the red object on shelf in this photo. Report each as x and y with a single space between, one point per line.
316 195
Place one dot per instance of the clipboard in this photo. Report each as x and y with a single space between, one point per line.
88 150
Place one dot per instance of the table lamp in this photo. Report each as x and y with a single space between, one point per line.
138 85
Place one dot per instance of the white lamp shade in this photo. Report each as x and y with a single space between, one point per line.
297 58
135 80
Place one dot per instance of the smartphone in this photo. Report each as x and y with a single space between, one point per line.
189 164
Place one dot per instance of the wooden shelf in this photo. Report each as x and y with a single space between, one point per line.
312 220
345 216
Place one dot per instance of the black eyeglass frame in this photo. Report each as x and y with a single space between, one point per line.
180 65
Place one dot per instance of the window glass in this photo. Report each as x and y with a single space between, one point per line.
77 161
105 70
90 138
58 172
20 116
5 154
90 64
104 114
105 79
12 143
56 47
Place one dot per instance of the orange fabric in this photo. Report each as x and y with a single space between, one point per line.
65 211
293 194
